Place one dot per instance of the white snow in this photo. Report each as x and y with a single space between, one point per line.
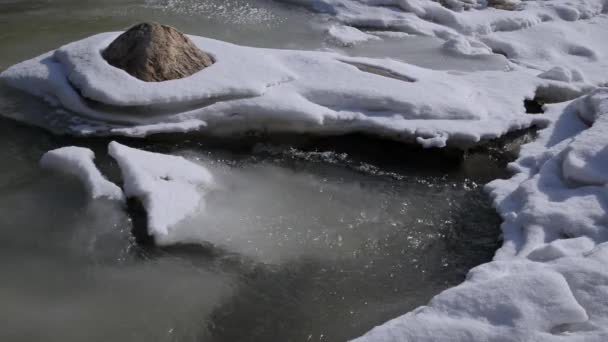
348 35
284 91
548 282
169 187
464 46
78 161
171 127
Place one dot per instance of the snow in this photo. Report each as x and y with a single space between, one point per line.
78 161
348 36
548 281
282 91
171 127
169 187
463 46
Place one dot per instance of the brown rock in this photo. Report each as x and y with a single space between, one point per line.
153 52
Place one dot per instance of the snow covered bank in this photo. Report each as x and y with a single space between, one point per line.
539 35
169 187
78 161
549 281
263 90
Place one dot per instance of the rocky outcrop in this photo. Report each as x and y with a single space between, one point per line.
153 52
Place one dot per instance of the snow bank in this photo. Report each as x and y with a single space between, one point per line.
78 161
169 187
280 91
548 282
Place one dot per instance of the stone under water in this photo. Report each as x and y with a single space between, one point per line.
153 52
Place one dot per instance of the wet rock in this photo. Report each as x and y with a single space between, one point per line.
153 52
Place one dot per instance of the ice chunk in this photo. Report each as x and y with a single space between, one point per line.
78 161
169 187
348 36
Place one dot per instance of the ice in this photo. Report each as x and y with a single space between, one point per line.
78 161
169 187
174 127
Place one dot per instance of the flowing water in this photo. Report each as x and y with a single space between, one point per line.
305 239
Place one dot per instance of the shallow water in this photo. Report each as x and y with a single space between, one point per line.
297 244
305 239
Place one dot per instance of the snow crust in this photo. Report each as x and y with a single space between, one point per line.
549 281
169 187
78 161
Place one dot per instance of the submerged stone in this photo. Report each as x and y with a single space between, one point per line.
153 52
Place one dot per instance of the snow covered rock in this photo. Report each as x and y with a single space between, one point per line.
277 91
78 161
169 187
153 52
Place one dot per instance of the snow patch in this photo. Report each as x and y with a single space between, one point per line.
78 162
169 187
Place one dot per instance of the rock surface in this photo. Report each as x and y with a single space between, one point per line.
153 52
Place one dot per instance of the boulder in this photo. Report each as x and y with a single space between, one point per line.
153 52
